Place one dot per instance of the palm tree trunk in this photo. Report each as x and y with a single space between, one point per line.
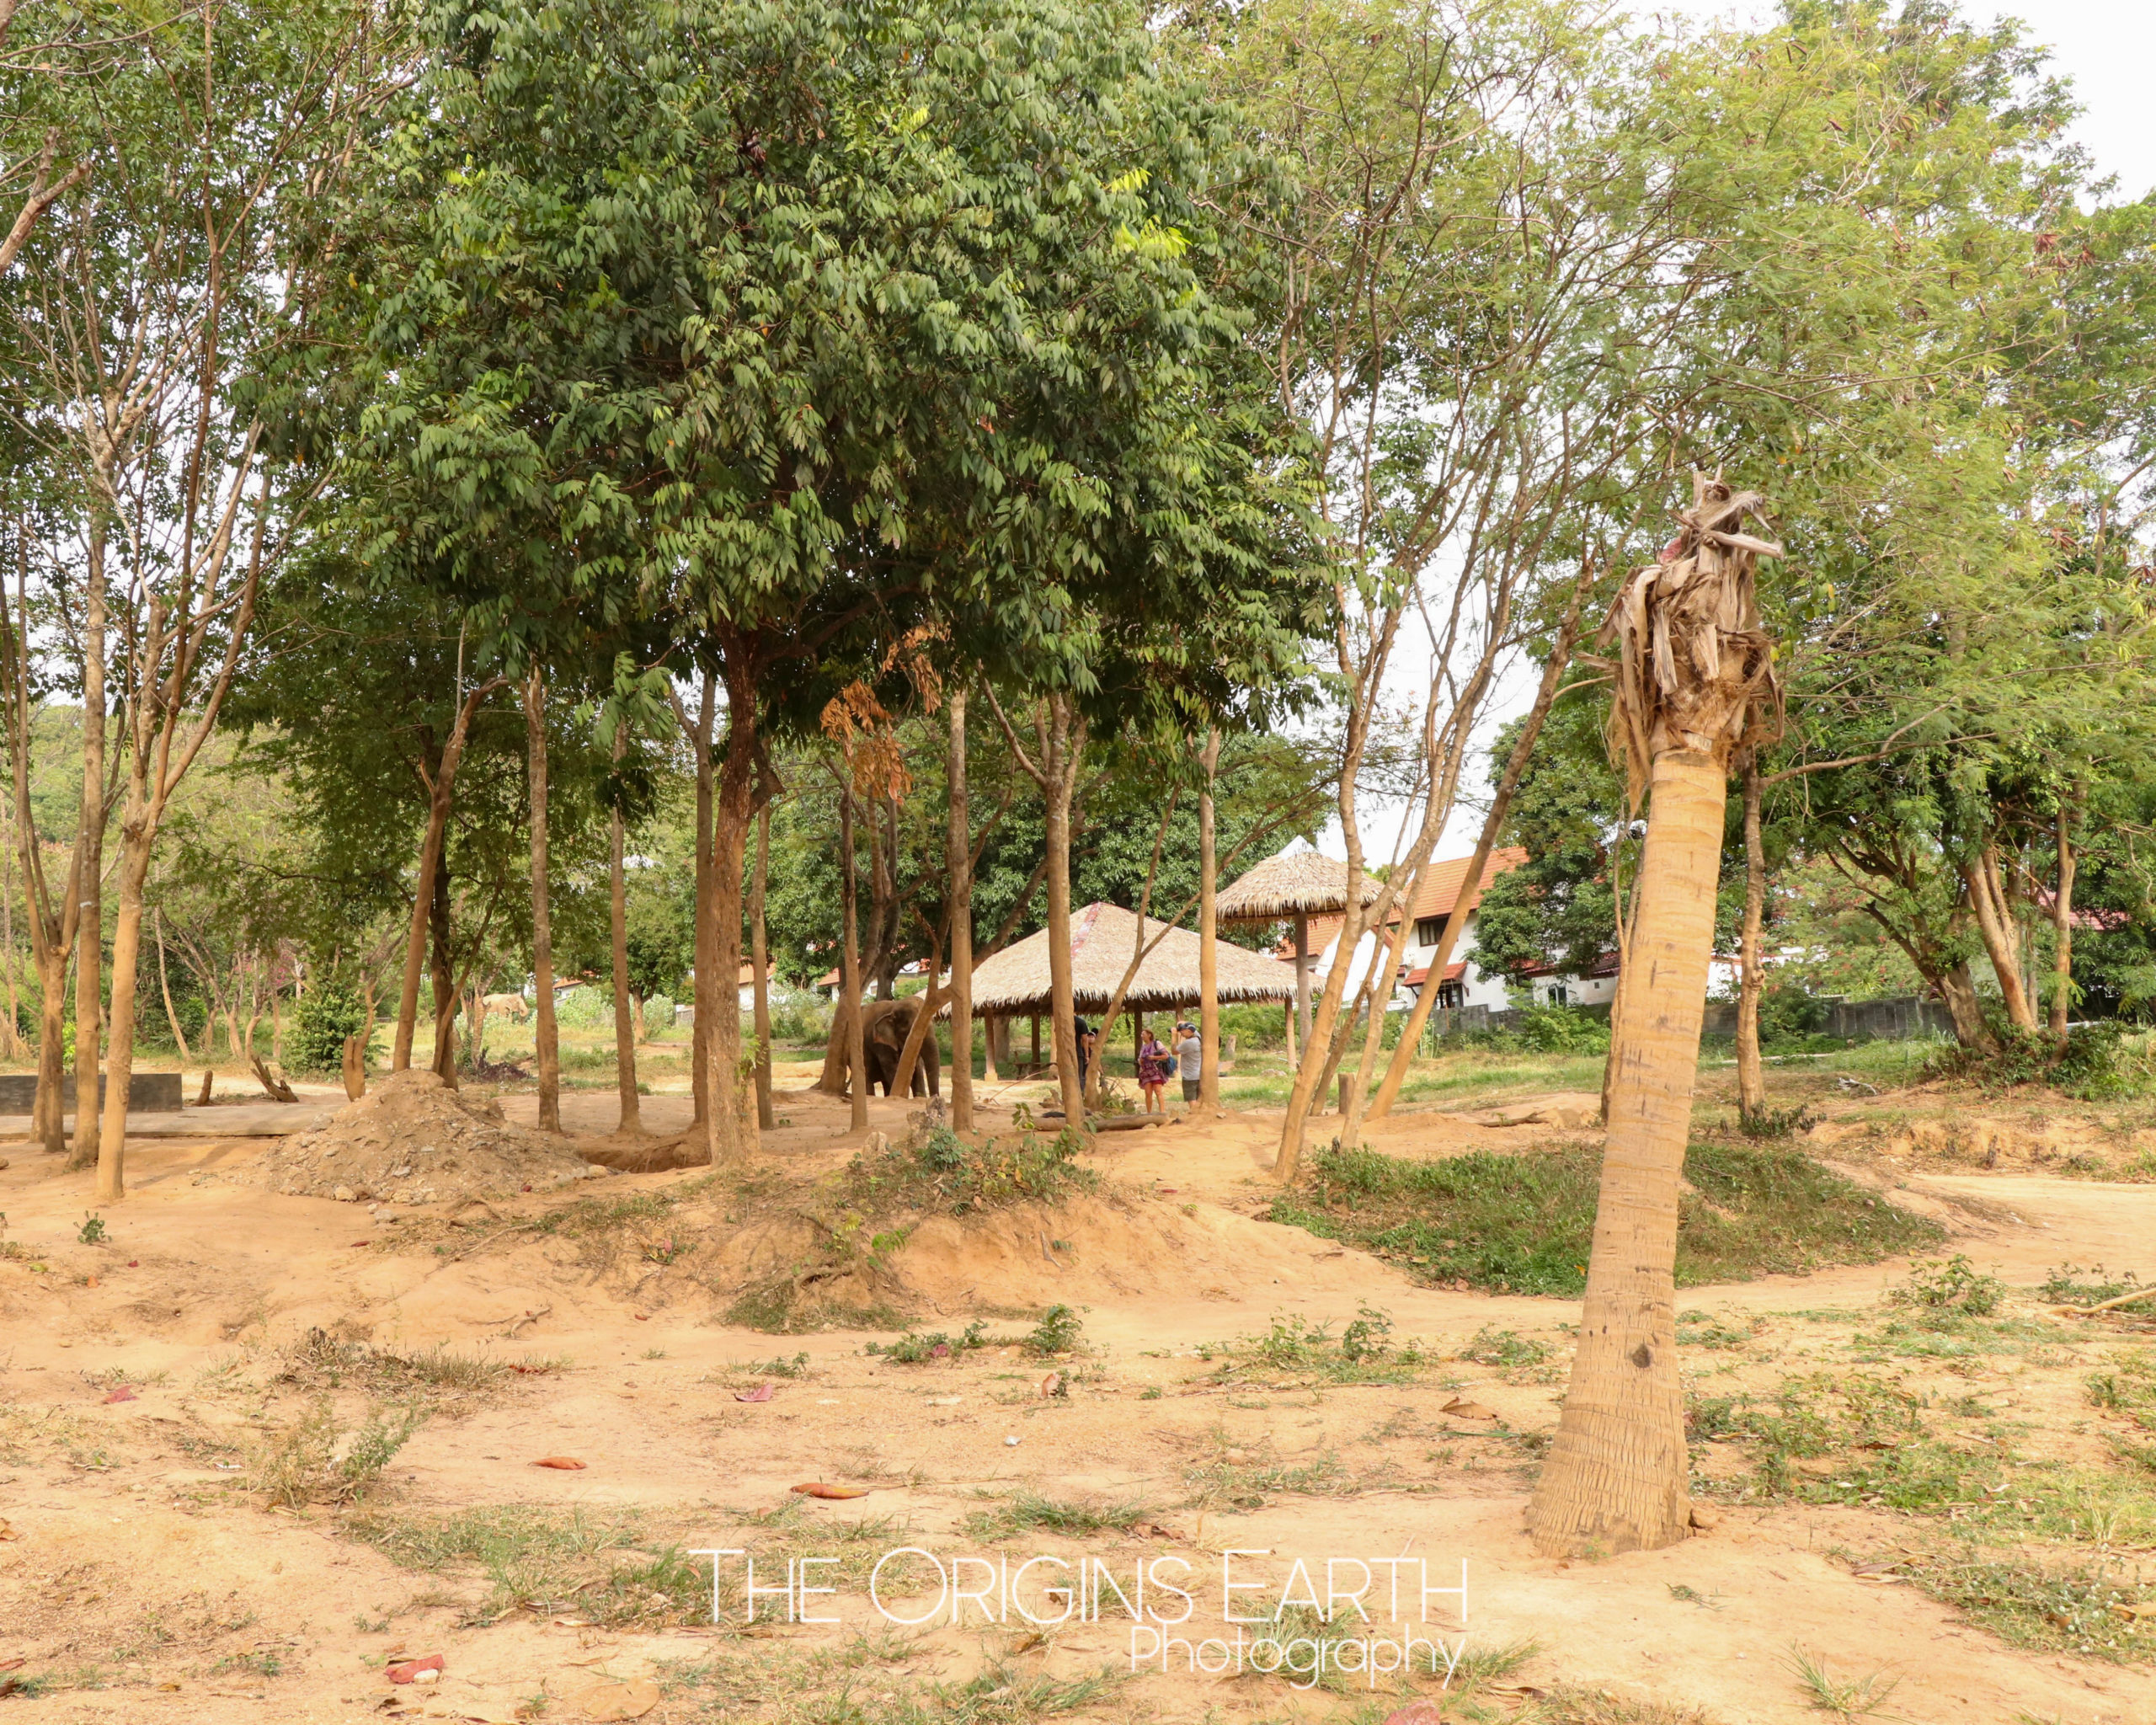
1696 671
959 868
1208 935
546 1034
1751 1072
1616 1474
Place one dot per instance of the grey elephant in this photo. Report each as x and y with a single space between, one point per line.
884 1027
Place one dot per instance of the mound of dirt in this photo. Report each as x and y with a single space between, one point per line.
412 1139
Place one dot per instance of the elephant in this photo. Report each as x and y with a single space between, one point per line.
884 1027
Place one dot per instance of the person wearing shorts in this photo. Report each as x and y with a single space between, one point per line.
1155 1063
1192 1054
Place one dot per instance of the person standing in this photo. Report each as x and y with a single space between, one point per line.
1155 1063
1191 1053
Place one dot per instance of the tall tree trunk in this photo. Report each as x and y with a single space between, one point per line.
960 887
164 987
1061 743
1617 1471
11 1043
445 981
1965 1005
1696 667
89 845
2063 927
48 1124
1995 924
136 836
440 787
1751 1072
760 967
546 1036
857 1051
1209 936
1493 823
733 1128
617 927
705 1010
1379 986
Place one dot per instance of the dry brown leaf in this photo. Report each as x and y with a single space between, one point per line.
1468 1410
568 1464
817 1488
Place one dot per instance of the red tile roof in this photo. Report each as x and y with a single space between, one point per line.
1421 974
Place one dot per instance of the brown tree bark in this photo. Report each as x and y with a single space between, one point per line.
1696 669
704 1010
1208 935
2063 927
617 928
546 1034
441 785
1617 1471
857 1051
1751 1070
960 889
733 1128
444 978
1980 879
89 844
761 966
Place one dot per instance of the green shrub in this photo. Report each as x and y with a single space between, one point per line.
1951 1285
326 1014
2100 1062
799 1016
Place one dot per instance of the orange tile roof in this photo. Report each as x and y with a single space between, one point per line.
1437 896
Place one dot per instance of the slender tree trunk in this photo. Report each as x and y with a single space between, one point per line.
547 1044
1615 1479
1209 936
445 982
12 1041
48 1123
164 987
1751 1070
89 845
959 868
1958 989
136 836
761 968
1061 745
1995 924
1380 987
1493 824
705 990
857 1051
440 789
1302 976
733 1128
2062 928
618 921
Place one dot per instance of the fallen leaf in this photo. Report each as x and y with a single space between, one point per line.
8 1533
169 1688
2134 1614
817 1488
642 1317
122 1394
574 1623
1052 1383
369 1242
131 1263
1467 1410
762 1392
568 1464
89 1281
17 1663
619 1700
409 1670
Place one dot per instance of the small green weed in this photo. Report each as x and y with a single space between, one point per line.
92 1233
1845 1698
1059 1331
1029 1511
1506 1349
1951 1285
912 1349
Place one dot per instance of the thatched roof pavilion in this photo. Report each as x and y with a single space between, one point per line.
1297 884
1102 938
1293 884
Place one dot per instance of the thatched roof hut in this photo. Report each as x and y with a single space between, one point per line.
1103 937
1293 884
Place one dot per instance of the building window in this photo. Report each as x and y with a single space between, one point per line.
1560 995
1452 994
1427 929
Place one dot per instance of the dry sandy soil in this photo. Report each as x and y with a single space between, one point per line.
150 1382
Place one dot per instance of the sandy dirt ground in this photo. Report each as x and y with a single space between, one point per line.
145 1380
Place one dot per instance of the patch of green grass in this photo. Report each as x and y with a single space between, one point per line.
1029 1512
1569 1704
2128 1387
1225 1483
1506 1349
2048 1606
313 1460
1363 1352
1522 1223
1844 1697
318 1361
1699 1329
2070 1284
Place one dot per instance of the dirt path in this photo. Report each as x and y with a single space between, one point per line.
142 1585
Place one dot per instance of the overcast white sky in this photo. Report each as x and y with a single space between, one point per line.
2106 47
